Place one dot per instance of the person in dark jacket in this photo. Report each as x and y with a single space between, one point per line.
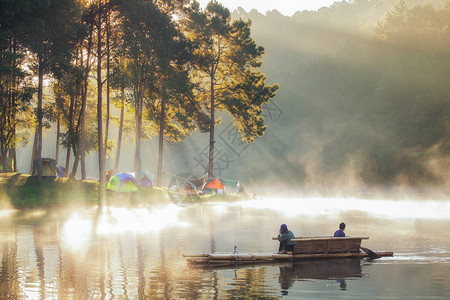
285 237
340 231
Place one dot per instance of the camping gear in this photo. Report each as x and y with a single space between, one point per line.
48 167
214 186
305 248
232 186
223 186
182 189
122 182
60 171
146 179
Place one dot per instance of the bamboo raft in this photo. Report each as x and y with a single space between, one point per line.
307 248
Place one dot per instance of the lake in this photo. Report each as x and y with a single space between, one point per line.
136 253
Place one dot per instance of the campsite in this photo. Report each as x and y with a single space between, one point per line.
122 190
224 149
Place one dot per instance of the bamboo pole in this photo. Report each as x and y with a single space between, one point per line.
320 238
196 255
198 260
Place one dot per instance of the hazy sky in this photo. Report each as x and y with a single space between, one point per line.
286 7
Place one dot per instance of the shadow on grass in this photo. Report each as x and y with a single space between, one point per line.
28 192
25 191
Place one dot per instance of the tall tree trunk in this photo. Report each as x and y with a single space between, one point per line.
137 161
83 132
71 130
119 140
13 154
101 161
12 150
161 141
107 84
84 102
33 151
39 115
57 138
75 142
211 133
66 172
136 118
99 96
74 166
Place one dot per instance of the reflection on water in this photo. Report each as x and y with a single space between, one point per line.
136 253
76 231
339 270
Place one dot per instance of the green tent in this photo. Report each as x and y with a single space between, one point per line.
232 186
123 183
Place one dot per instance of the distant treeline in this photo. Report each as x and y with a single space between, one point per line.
364 88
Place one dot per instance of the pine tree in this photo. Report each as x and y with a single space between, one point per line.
226 70
51 40
16 18
156 56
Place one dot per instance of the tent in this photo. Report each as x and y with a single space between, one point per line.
146 179
60 170
232 186
214 186
48 167
6 164
122 182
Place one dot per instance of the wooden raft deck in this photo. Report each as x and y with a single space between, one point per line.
219 259
307 248
327 244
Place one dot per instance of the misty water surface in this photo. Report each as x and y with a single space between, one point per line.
119 252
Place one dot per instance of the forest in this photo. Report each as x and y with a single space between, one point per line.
166 65
356 93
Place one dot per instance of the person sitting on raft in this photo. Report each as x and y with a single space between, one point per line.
340 232
285 237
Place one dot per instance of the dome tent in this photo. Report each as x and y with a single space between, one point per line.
214 186
122 182
146 179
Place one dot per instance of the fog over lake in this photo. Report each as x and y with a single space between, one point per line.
137 252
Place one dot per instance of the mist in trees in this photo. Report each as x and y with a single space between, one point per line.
364 93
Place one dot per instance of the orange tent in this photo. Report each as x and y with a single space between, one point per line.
215 184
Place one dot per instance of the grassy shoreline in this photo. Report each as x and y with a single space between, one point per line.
23 191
